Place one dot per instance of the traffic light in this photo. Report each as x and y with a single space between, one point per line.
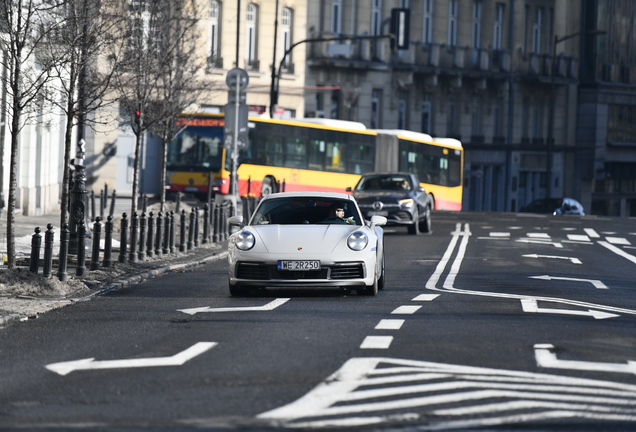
138 118
400 28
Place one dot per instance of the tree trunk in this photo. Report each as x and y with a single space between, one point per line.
13 180
135 187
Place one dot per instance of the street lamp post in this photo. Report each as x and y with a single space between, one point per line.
557 40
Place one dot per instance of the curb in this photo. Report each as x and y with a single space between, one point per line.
107 287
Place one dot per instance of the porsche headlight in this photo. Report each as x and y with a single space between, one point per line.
357 241
406 203
245 240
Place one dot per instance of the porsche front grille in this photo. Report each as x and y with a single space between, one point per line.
256 271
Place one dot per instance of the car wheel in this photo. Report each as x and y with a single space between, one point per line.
425 224
370 290
414 228
267 187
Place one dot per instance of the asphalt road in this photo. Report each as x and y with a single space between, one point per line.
495 321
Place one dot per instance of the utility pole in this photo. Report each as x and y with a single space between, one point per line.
272 107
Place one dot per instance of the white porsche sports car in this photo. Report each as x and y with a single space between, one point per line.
307 239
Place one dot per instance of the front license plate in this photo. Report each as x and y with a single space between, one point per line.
191 189
298 265
378 213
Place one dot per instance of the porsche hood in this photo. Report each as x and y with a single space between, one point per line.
288 239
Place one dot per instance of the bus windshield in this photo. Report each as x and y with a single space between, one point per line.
196 149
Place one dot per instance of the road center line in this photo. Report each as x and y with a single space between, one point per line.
406 310
390 324
377 342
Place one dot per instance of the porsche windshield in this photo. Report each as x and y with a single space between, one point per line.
290 211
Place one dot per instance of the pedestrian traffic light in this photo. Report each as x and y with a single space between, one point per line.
137 118
400 28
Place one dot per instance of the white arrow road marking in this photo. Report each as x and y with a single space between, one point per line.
574 260
198 348
547 359
531 305
597 283
538 241
268 307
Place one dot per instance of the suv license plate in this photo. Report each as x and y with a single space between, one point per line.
298 265
378 213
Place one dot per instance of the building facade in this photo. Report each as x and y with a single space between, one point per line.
230 38
606 132
481 71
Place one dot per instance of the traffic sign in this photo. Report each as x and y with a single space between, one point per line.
237 74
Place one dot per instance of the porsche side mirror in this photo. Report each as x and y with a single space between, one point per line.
236 220
378 220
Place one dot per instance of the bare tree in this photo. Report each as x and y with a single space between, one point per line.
160 58
86 30
25 26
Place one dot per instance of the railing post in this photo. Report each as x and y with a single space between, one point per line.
166 233
36 244
142 236
191 229
206 223
81 249
108 242
48 250
182 230
97 231
112 203
196 227
123 241
134 225
65 234
172 232
151 235
217 222
158 250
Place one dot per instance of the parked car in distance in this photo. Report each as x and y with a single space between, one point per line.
554 206
396 196
307 239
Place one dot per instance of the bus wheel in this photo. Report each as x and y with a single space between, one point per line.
268 186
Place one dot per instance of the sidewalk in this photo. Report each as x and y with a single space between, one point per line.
24 295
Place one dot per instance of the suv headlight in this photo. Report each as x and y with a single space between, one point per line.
245 240
407 203
357 241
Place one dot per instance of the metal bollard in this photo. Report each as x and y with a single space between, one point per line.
134 225
196 227
182 240
81 249
166 233
178 204
105 195
48 250
108 242
36 244
144 200
142 237
206 223
102 204
172 232
158 250
93 212
224 223
191 229
150 252
215 223
112 203
123 241
65 235
97 233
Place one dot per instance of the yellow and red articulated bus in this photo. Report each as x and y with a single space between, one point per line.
309 154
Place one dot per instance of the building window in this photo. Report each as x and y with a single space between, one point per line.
336 18
537 121
334 112
213 41
286 35
251 41
498 27
452 23
476 118
376 108
427 27
402 110
404 4
621 124
477 24
376 18
498 120
525 119
536 31
426 117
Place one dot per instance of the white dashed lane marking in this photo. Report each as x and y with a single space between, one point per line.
618 241
389 324
406 310
426 297
377 342
578 237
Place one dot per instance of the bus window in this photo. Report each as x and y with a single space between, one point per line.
336 157
361 159
190 149
317 149
296 153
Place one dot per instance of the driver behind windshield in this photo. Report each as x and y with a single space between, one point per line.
336 215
